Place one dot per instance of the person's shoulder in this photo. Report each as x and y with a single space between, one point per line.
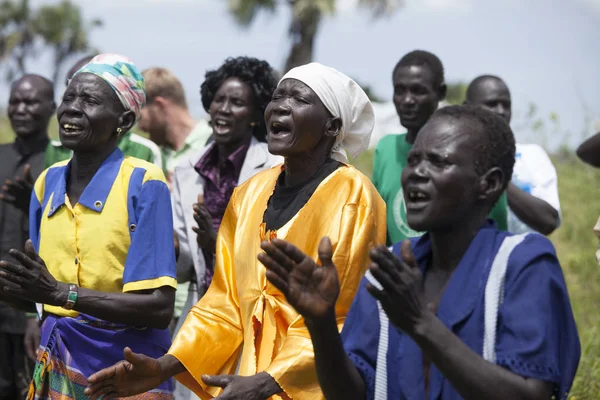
260 180
390 142
49 176
151 172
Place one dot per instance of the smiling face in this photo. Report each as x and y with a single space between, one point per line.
90 115
415 95
232 111
297 121
30 106
441 186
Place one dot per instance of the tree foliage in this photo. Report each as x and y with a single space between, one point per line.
25 33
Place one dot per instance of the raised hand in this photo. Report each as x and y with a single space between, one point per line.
311 289
134 375
402 296
206 237
31 280
18 191
256 387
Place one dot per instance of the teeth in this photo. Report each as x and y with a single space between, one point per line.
417 195
71 127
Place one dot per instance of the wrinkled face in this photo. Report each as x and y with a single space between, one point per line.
232 112
415 95
153 121
89 114
494 95
296 119
440 183
30 107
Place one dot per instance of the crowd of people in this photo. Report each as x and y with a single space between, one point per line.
246 258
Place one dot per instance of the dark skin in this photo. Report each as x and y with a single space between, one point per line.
89 118
416 97
493 94
589 151
441 168
30 107
299 128
234 116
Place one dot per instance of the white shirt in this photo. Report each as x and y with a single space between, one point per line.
535 174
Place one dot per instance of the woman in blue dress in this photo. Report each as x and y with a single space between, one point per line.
465 311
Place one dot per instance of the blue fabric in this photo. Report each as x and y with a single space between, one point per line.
151 253
97 190
53 175
536 337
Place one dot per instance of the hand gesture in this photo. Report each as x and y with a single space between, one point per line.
311 289
402 295
31 280
18 192
205 233
256 387
134 375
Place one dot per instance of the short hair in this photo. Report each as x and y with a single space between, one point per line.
422 57
495 140
258 74
161 82
478 81
47 84
78 65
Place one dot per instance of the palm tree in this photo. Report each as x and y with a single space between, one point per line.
306 17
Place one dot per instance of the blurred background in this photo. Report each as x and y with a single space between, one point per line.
547 51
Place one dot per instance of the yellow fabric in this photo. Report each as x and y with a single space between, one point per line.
89 248
243 312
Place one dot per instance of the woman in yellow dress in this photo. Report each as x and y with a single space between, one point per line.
244 325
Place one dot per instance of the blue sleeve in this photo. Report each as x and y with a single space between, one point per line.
537 336
360 336
35 220
150 262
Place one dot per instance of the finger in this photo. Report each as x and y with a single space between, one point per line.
278 282
278 256
98 379
12 269
408 256
27 173
217 380
8 197
201 199
15 280
383 278
31 253
134 358
379 295
24 259
386 262
325 252
290 250
103 392
277 275
271 264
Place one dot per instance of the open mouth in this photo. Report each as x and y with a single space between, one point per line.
221 126
72 129
279 128
416 198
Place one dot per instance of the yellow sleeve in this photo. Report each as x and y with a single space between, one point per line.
209 339
362 227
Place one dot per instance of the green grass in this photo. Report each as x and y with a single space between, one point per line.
575 244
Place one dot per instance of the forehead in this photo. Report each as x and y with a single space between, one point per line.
491 90
86 82
236 86
414 74
27 88
295 86
448 136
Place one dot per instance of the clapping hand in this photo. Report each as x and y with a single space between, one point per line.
402 296
206 237
18 191
311 289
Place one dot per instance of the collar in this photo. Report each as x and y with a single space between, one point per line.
96 192
209 161
34 145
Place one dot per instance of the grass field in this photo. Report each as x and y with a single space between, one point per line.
575 243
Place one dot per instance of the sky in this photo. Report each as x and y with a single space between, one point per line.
546 50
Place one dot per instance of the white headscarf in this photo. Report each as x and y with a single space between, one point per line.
345 100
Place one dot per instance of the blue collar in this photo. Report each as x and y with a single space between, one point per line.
96 192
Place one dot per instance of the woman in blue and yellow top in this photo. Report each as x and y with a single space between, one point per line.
101 260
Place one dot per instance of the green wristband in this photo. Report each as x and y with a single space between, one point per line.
72 296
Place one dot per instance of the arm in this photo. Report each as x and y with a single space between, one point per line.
472 376
532 210
185 263
589 151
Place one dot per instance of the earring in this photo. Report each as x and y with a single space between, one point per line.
119 131
253 124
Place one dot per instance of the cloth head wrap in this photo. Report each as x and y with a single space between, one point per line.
123 77
345 100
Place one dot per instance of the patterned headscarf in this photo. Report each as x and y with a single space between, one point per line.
344 99
123 77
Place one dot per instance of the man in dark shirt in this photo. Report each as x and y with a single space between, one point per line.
31 104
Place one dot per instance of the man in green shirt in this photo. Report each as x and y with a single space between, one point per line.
419 86
130 144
